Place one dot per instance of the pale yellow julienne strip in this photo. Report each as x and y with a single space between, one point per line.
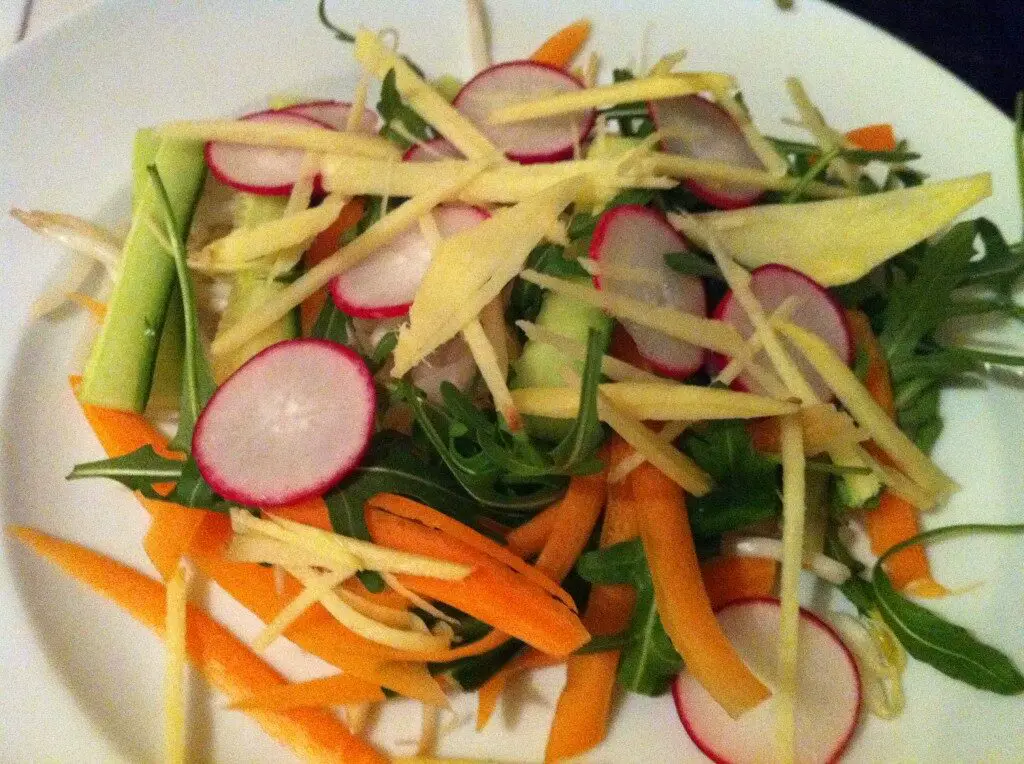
668 433
702 332
487 362
174 671
502 184
422 98
645 89
316 139
353 253
793 514
827 137
677 166
299 604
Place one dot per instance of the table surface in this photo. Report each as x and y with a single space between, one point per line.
982 42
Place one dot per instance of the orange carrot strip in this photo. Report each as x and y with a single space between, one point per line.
873 137
493 592
312 511
226 662
561 48
727 579
577 515
95 308
315 631
430 517
324 245
491 690
170 534
894 519
528 539
680 596
385 598
581 716
336 690
121 432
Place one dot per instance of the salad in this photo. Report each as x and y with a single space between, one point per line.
538 369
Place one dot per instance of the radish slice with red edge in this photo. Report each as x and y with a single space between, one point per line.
828 697
431 151
260 169
334 114
385 283
549 139
632 236
817 311
710 133
289 424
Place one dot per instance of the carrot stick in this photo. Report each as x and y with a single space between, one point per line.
577 515
224 661
561 48
121 432
680 596
873 137
315 631
493 592
431 518
324 245
581 716
312 511
336 690
170 534
894 519
727 579
491 690
528 539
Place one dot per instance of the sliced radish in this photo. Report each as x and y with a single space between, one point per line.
696 127
334 114
259 169
384 285
828 694
632 236
288 425
816 311
432 151
538 140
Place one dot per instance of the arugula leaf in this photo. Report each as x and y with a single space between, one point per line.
197 383
746 482
577 451
525 298
951 649
649 662
333 325
137 470
394 112
341 34
143 468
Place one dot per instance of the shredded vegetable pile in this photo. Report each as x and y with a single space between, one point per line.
538 369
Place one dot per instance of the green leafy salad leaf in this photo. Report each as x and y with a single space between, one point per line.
746 483
649 662
951 649
401 123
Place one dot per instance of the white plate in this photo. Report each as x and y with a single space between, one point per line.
81 681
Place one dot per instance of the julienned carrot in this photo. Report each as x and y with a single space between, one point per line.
561 48
873 137
226 662
682 601
312 511
324 245
894 519
170 534
329 691
491 690
315 631
121 432
431 518
581 716
577 515
727 579
620 517
528 539
493 592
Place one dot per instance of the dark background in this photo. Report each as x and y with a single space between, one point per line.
982 41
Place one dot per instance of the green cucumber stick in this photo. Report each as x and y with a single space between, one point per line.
119 372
